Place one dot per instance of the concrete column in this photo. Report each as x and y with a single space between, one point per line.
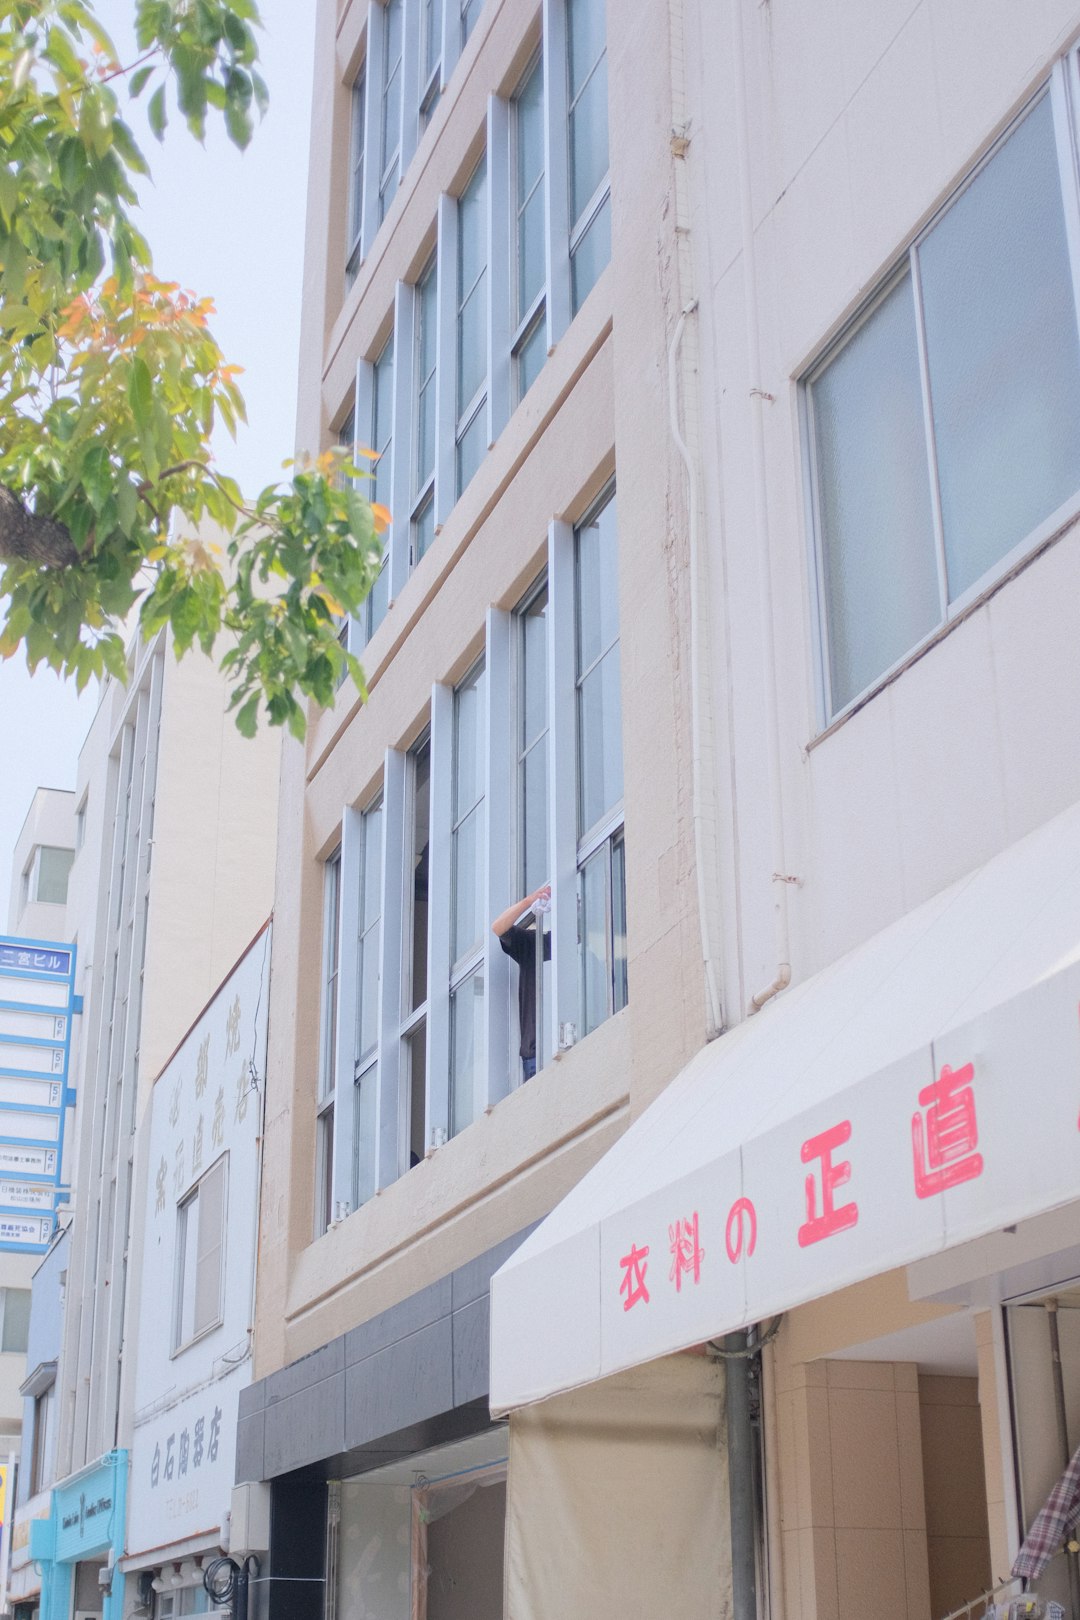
852 1510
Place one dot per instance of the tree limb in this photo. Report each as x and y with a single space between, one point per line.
25 537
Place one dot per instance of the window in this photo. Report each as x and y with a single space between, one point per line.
414 1029
942 428
347 442
15 1327
515 781
431 24
46 878
516 254
356 173
390 115
590 198
200 1257
39 1453
366 1061
468 925
472 355
427 327
533 851
601 863
470 10
529 349
328 1042
184 1600
382 442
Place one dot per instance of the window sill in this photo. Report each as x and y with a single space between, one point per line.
1057 526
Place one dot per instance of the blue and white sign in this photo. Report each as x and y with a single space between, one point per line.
37 1006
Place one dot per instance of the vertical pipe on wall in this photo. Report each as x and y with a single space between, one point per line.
771 728
741 1468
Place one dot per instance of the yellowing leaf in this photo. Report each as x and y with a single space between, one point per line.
382 517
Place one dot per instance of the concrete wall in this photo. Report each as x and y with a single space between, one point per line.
861 120
598 406
50 821
954 1481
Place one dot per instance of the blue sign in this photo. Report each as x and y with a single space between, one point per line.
37 1006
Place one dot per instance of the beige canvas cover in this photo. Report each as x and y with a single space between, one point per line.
617 1505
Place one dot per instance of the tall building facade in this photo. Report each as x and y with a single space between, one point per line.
863 1197
172 878
488 938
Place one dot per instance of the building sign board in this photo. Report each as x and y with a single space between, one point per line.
37 1006
941 1147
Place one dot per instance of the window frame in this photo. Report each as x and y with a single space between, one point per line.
525 323
1056 87
366 1059
357 172
193 1200
329 1017
468 413
422 486
608 830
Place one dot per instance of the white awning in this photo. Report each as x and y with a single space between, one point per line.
837 1134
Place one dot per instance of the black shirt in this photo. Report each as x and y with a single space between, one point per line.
520 943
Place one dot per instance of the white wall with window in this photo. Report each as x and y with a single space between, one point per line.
942 427
515 781
516 252
194 1270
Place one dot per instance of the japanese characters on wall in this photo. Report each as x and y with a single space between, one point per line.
37 1006
193 1354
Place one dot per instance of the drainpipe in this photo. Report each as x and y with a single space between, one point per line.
758 400
740 1440
681 381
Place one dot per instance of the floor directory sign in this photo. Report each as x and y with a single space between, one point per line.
37 1005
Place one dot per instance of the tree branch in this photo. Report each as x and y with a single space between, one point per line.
26 537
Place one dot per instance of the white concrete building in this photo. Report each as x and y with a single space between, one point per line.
194 1278
877 1171
171 881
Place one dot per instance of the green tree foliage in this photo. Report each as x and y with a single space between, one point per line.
111 383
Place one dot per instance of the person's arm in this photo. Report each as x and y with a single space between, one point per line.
510 916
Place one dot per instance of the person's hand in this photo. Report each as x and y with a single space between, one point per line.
542 897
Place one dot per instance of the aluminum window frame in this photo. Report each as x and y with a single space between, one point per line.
193 1200
422 486
1062 86
391 165
329 1016
357 155
467 413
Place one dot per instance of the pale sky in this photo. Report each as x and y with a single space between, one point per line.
226 225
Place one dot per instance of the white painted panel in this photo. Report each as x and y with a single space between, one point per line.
38 1026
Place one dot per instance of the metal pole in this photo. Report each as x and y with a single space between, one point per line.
740 1437
1063 1437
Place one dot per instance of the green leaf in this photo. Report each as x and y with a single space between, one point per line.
9 193
247 717
139 80
140 391
155 112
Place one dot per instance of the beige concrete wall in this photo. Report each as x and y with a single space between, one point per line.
215 828
598 407
954 1482
852 1512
